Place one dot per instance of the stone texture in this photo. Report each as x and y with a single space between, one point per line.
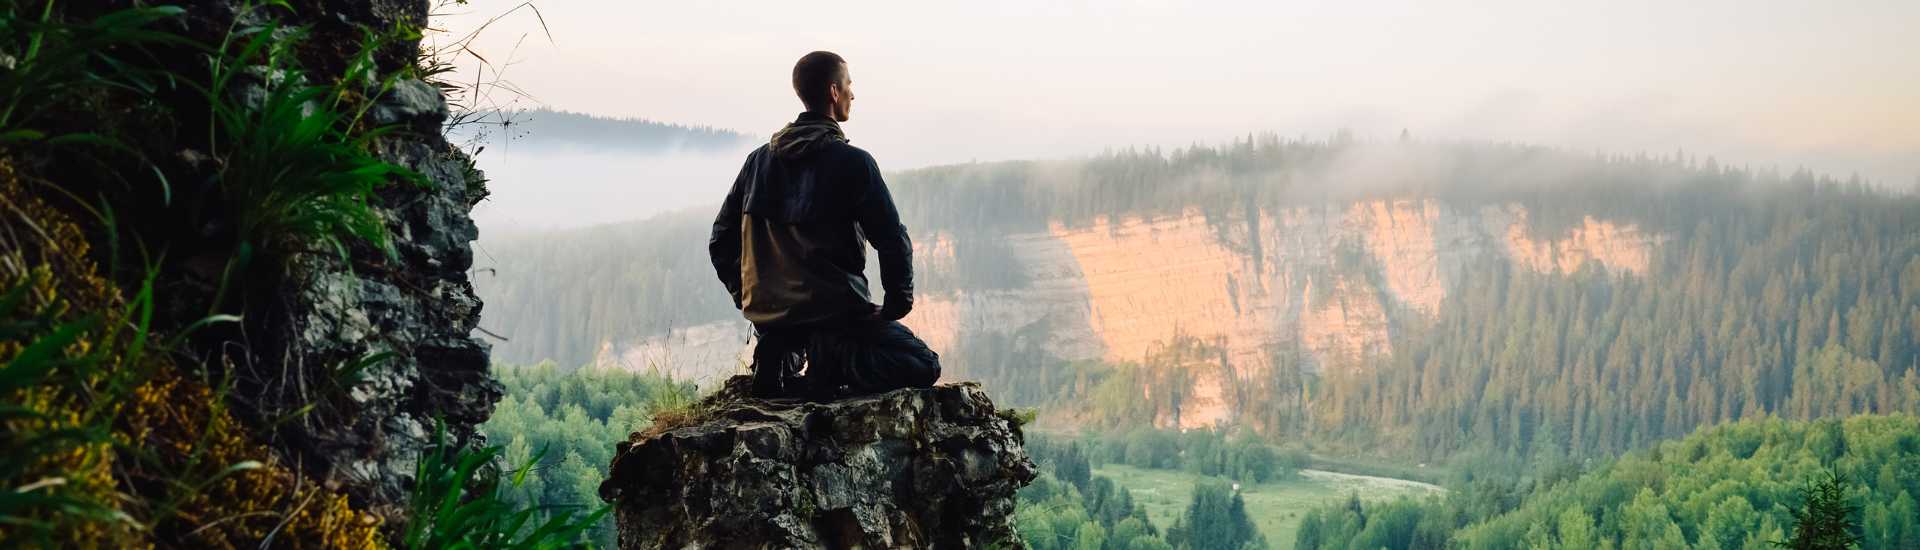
912 468
417 304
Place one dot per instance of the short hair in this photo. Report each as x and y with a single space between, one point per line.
814 74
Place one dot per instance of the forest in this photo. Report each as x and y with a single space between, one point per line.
1069 507
242 310
565 422
1733 486
1791 294
1772 299
1795 295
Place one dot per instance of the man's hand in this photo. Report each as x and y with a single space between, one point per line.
897 305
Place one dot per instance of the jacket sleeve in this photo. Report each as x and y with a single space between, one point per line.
880 221
723 243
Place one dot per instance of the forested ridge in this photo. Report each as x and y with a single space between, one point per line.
547 127
1768 293
560 296
1793 295
1801 302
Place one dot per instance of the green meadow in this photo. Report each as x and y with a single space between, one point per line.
1275 506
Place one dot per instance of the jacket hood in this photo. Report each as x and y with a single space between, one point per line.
805 135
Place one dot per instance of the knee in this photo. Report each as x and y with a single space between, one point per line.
926 367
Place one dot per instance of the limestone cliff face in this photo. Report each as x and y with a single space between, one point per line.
913 468
1330 280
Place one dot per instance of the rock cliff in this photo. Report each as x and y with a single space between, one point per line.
415 306
1334 281
918 468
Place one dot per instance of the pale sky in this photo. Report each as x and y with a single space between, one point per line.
1834 86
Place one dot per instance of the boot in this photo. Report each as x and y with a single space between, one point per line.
771 360
768 381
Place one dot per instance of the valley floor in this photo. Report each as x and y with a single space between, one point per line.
1275 506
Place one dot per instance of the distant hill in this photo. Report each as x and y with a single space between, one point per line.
542 128
1414 300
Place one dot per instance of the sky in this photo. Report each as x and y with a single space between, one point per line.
1832 86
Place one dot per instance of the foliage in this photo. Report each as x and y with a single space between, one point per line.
575 416
1767 293
1736 486
1018 418
56 469
662 284
1216 519
459 502
296 166
107 443
1069 507
54 57
1056 514
1795 300
116 433
1237 455
1825 521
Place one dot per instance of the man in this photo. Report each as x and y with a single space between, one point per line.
790 245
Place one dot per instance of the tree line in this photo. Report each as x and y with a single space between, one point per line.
1769 293
1745 485
1793 295
1238 455
1801 302
570 419
550 128
1068 506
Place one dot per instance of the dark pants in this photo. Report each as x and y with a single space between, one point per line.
846 358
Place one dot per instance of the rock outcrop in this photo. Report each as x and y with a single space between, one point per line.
415 307
310 310
916 468
418 306
265 197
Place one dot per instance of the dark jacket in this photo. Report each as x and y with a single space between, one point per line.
790 241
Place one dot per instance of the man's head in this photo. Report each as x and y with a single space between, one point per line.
824 85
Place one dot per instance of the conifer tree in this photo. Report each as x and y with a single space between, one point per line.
1826 521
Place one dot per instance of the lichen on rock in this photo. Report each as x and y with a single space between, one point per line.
914 468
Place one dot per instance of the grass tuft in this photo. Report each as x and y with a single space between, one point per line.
459 501
295 166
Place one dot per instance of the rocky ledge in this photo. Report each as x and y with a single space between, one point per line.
911 468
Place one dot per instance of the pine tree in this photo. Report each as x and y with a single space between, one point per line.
1826 521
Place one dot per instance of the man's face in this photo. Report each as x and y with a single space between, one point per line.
842 95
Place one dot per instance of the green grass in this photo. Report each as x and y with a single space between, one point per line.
459 503
1275 506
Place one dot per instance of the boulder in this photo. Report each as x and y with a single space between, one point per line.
911 468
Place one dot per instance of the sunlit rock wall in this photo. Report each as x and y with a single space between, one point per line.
1330 280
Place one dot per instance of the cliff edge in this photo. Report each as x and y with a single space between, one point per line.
934 467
